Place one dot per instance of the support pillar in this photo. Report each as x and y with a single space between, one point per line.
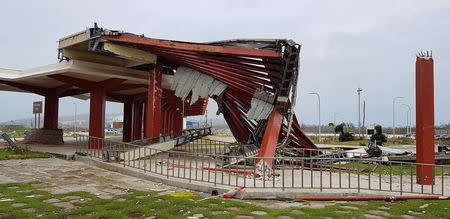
51 112
153 112
178 122
137 121
171 124
164 123
97 118
127 131
425 120
270 138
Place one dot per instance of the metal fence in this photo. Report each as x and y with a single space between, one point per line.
209 162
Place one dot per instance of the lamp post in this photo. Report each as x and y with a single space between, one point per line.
393 114
75 119
408 119
359 111
318 97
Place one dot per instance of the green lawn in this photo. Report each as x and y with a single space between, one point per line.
14 203
20 153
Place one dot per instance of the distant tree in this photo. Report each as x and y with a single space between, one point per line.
343 136
339 128
332 125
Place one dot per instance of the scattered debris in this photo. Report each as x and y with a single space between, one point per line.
186 80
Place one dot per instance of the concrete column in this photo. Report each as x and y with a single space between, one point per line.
178 122
425 120
170 122
153 112
127 134
165 122
51 112
137 120
97 118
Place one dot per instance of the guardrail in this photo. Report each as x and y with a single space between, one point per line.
210 164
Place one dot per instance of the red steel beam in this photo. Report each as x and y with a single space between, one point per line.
248 70
270 138
194 47
425 120
217 70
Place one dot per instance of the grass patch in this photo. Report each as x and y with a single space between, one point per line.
81 153
396 169
140 204
361 142
20 153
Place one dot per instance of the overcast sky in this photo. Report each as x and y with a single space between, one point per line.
345 44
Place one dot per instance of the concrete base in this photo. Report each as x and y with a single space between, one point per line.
44 136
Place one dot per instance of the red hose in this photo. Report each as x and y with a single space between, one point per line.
368 198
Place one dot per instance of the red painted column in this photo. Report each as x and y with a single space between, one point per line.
137 121
144 114
171 124
178 122
425 120
270 138
153 113
97 118
164 123
51 112
127 132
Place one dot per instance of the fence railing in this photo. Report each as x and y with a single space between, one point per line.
210 162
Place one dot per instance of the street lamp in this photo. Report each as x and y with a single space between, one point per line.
408 119
359 110
393 114
75 119
318 97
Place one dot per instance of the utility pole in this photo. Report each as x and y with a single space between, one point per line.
364 117
206 119
393 115
318 97
359 110
75 119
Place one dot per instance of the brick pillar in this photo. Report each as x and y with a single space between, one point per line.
51 112
97 118
127 131
425 120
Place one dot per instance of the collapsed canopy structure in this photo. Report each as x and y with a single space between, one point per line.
253 82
